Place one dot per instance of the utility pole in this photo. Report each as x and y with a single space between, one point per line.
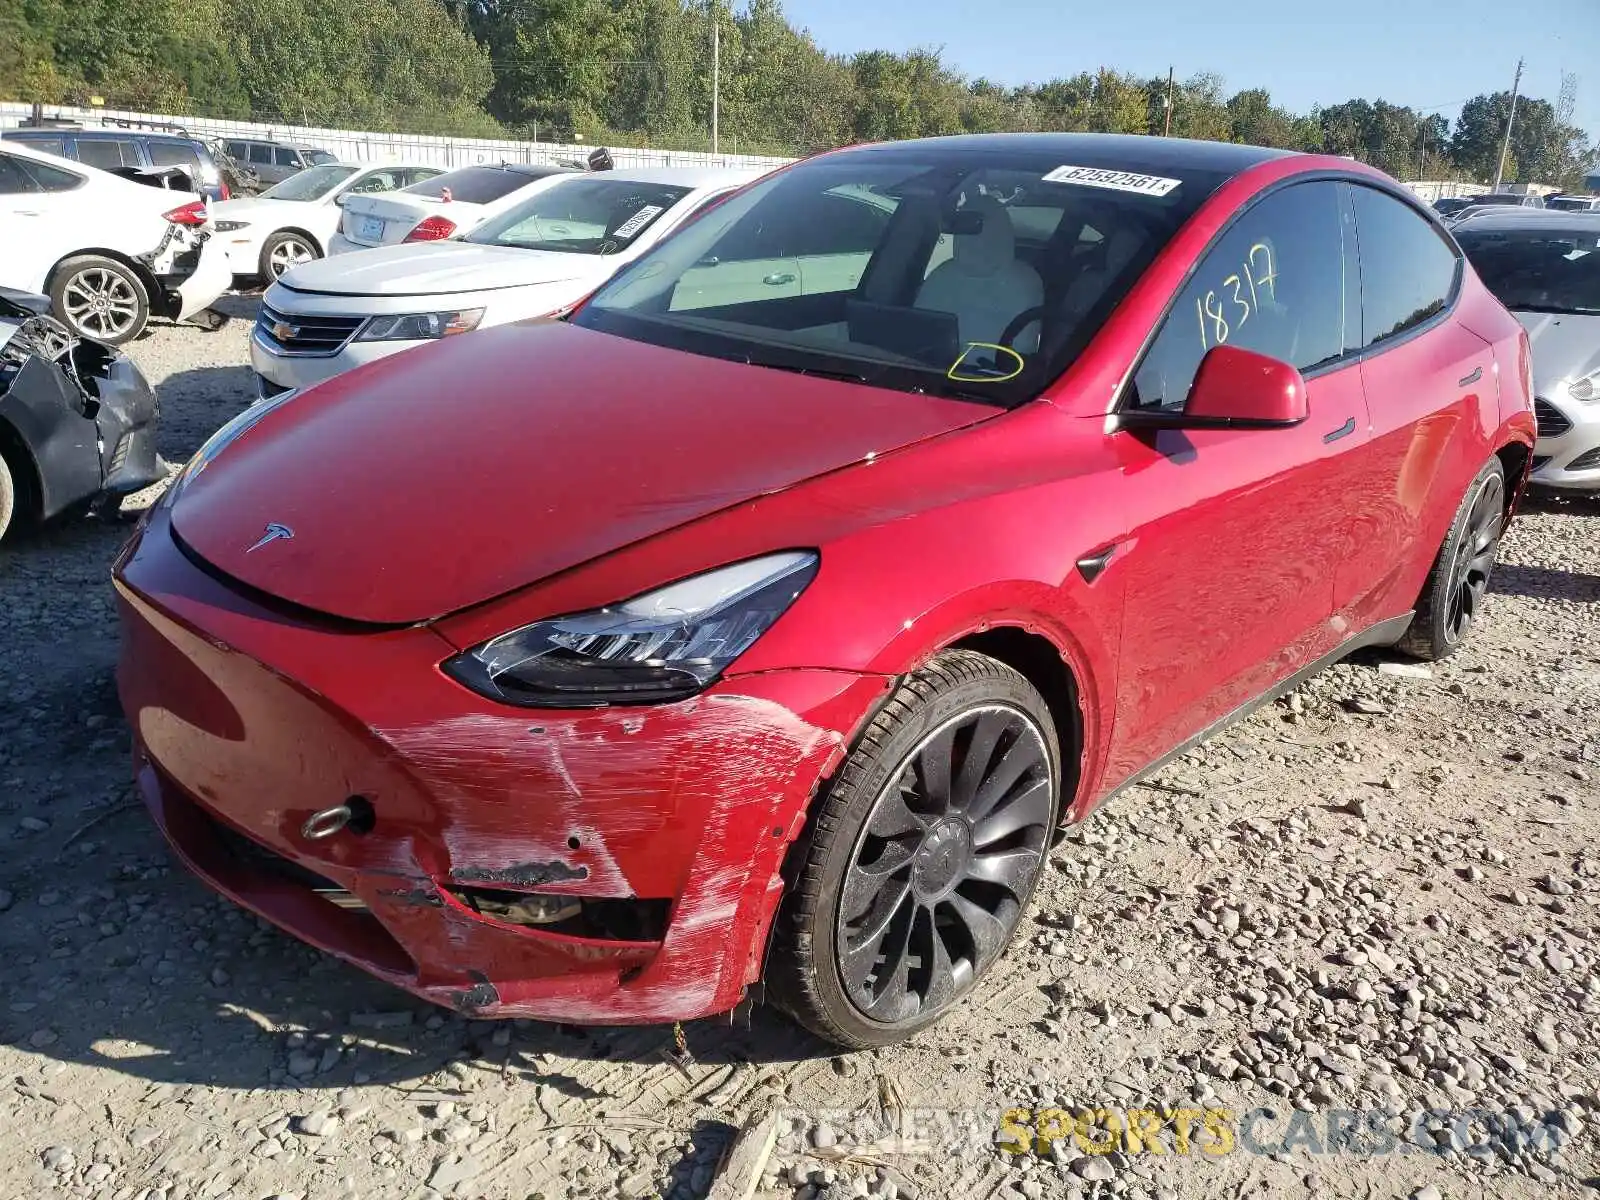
1505 146
1167 131
716 72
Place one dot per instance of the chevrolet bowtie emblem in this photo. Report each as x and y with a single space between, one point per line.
285 332
273 533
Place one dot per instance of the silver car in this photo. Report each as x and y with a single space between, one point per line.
1547 273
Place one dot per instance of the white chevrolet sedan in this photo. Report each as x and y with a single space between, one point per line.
537 258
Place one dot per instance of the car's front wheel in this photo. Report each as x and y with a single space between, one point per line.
100 298
283 252
1452 599
922 856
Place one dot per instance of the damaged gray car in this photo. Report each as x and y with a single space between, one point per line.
77 418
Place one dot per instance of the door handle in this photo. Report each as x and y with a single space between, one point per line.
1469 380
1090 565
778 278
1344 430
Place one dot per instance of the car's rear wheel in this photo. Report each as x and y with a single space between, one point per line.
101 298
283 252
1452 599
922 856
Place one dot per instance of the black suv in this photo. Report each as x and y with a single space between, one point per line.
115 149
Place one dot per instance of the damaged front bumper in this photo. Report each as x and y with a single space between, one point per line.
82 412
607 866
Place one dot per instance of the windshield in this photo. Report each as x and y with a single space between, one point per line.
1538 269
978 274
581 216
311 184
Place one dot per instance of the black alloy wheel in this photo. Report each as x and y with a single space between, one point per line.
920 856
1452 599
1474 557
944 865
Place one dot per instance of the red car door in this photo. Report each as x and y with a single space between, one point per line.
1236 535
1425 376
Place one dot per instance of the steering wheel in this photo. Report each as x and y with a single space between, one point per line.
1018 323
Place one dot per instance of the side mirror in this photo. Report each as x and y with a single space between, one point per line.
338 201
1233 389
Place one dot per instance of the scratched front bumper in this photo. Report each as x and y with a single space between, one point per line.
247 721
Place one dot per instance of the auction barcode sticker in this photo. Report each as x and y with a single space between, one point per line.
638 221
1116 181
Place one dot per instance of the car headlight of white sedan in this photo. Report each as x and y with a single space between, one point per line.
417 327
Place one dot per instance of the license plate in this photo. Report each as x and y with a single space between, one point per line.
372 229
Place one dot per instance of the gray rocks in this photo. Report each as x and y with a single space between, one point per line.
321 1122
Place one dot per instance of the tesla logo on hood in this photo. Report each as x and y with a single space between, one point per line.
273 533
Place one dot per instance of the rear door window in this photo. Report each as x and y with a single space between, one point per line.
49 145
51 178
174 154
387 180
13 179
237 150
1408 269
261 154
1274 284
109 153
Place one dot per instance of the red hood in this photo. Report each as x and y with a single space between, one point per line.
450 474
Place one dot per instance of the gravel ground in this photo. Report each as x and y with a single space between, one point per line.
1379 896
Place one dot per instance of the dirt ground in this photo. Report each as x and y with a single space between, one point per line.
1376 900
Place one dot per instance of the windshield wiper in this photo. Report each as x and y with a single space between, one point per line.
1561 310
819 372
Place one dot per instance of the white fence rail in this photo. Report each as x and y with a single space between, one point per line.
353 145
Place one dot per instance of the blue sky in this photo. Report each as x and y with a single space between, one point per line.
1429 54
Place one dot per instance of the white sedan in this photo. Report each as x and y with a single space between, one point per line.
448 205
108 252
293 222
538 258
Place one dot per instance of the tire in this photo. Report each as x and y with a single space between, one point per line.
1458 583
872 839
285 250
100 298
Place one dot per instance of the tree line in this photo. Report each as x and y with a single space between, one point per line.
641 71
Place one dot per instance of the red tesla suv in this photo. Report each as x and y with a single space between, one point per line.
760 622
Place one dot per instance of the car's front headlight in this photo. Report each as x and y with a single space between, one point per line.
229 226
664 645
1587 388
418 327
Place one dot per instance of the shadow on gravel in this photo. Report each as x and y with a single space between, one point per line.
139 970
196 403
1545 583
1550 500
116 958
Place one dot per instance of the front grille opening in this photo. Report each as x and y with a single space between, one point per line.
1551 420
1587 461
572 916
296 333
251 854
119 456
1538 463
